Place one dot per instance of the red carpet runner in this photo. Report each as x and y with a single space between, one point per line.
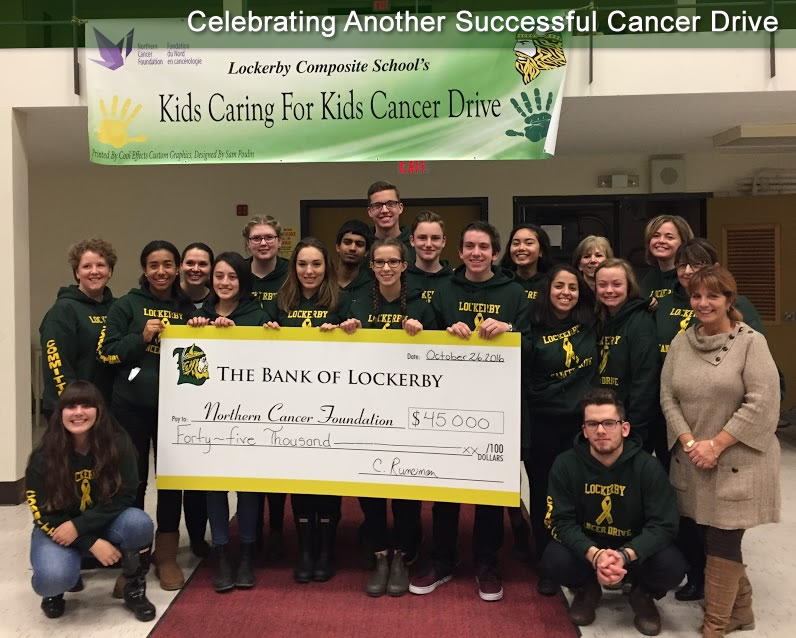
277 606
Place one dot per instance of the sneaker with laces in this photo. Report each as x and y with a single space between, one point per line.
490 587
429 580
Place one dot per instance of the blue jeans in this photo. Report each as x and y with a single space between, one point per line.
57 568
218 514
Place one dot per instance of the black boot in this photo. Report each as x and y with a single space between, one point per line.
135 586
223 580
324 566
53 606
305 532
245 577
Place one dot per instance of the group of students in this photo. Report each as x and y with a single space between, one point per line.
583 325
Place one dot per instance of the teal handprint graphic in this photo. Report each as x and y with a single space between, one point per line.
537 123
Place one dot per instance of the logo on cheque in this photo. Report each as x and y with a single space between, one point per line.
192 365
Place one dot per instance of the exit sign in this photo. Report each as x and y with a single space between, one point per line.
413 167
381 5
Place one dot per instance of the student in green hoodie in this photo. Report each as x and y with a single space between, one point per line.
427 272
559 367
230 304
80 484
130 340
484 298
613 516
390 306
310 298
353 244
628 355
70 330
662 236
385 208
263 236
528 256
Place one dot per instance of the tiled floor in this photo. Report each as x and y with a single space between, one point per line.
770 552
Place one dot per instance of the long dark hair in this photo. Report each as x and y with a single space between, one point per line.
289 295
582 313
545 262
56 447
375 291
177 294
238 264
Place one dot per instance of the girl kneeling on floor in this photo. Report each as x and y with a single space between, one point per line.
81 483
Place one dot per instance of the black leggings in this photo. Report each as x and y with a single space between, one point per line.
723 543
142 426
549 439
311 505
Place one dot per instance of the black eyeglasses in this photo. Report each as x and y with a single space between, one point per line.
608 424
390 263
392 205
694 266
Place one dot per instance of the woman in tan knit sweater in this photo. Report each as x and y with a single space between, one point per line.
720 396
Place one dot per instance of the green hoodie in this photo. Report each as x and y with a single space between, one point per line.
389 315
628 361
69 333
121 344
499 297
247 313
427 282
265 289
308 314
89 517
531 287
657 283
629 504
559 367
674 315
361 284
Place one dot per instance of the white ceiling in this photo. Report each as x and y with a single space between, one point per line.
649 124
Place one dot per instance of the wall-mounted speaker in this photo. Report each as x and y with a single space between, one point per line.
667 175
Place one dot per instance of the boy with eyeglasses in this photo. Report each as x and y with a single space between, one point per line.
385 208
613 516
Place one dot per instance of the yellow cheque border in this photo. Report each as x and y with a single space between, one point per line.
340 488
426 337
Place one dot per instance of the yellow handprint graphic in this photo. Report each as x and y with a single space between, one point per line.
113 128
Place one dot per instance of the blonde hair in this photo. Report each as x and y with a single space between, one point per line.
261 220
589 242
683 229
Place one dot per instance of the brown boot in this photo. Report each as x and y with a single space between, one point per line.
165 560
742 617
722 579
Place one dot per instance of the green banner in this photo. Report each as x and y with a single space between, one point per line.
158 95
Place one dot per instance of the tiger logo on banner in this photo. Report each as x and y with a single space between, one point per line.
538 52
